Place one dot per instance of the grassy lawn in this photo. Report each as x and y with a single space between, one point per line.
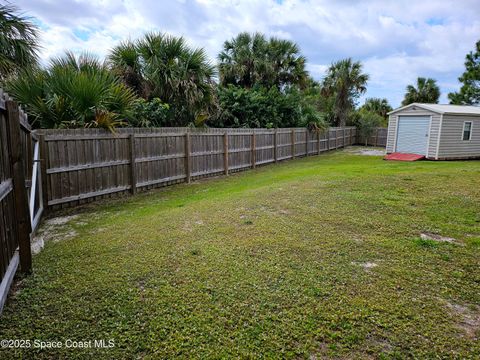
319 257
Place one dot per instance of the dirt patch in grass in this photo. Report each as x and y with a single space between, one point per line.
365 151
55 229
467 318
438 238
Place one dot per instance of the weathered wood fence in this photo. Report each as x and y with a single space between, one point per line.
378 138
87 164
20 202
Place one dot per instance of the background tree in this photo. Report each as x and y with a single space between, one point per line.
250 60
469 93
18 41
426 91
165 67
124 61
378 106
366 123
345 82
73 92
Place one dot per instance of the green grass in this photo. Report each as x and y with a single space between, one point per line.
268 263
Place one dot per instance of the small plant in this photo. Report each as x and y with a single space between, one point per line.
426 243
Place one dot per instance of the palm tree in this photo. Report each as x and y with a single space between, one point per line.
378 106
72 92
18 41
427 91
288 65
345 82
243 60
125 63
165 67
250 59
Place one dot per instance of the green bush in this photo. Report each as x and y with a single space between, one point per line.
260 107
73 92
153 113
366 122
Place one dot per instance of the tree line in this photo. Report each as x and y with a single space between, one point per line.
159 80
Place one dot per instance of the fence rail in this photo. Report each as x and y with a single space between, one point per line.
87 164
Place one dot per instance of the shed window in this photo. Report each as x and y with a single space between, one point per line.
467 130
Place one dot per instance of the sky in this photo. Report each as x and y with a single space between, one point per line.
396 40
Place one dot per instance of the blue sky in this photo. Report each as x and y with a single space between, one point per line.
397 41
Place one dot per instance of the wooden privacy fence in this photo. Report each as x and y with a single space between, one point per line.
20 200
86 164
378 138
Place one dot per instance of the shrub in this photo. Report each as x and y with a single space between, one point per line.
366 123
153 113
73 92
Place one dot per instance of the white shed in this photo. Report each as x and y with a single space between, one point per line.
439 132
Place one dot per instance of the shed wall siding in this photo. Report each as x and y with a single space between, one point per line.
434 129
451 143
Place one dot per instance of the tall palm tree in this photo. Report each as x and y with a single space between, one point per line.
125 63
163 66
378 106
72 92
288 64
250 59
243 60
345 82
427 91
18 41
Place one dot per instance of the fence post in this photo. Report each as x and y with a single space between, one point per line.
275 145
133 167
225 152
187 157
376 136
328 139
336 138
22 213
344 138
306 141
318 142
254 151
293 143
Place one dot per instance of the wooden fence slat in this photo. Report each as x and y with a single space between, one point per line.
133 164
225 152
22 213
187 157
254 150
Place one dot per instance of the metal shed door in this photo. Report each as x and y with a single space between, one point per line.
412 134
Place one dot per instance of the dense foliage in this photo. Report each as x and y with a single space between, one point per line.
159 80
18 42
345 82
378 106
164 66
426 91
251 60
469 93
261 107
366 123
153 113
73 92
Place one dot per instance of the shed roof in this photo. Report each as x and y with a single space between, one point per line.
443 109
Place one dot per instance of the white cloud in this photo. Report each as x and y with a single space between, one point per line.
397 41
